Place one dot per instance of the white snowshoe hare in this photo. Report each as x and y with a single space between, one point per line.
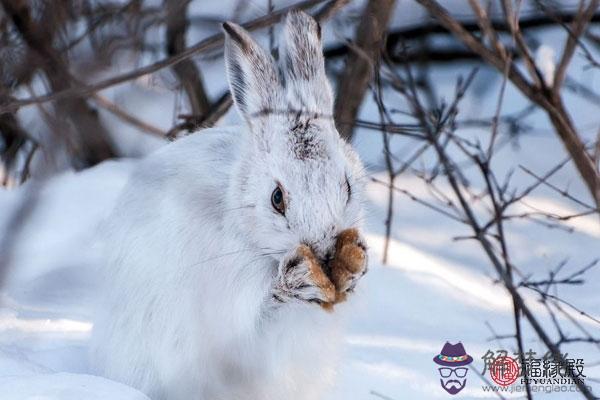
229 248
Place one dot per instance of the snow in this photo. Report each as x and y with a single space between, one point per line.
544 60
432 290
65 386
404 312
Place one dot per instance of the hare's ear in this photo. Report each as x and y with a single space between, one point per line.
253 77
303 64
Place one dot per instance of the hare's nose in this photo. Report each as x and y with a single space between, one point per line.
323 243
323 251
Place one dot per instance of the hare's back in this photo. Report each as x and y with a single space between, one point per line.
203 158
190 175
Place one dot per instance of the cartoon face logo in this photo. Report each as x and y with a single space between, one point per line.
453 360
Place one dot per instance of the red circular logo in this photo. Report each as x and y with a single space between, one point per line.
504 371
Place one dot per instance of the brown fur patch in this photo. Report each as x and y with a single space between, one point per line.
319 278
348 261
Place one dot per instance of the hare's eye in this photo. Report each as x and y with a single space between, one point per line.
277 200
348 190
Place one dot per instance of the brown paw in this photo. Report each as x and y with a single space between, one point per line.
301 277
349 262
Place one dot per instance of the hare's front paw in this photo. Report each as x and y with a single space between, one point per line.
301 277
349 262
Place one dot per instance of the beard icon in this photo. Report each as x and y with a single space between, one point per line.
453 386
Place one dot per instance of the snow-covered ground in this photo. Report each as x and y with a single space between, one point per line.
404 313
432 290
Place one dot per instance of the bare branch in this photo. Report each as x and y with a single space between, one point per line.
186 71
92 142
354 81
125 116
577 29
207 44
550 103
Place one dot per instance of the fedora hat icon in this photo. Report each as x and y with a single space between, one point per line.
453 355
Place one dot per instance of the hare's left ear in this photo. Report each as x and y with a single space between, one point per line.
303 64
252 72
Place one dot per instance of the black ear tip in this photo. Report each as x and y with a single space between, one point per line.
318 29
227 28
235 32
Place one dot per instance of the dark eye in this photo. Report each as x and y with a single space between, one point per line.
348 189
277 200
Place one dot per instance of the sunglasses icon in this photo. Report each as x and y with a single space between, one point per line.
447 372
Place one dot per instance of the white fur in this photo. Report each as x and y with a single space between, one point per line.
194 249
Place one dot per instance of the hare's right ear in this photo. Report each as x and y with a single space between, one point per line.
252 72
303 63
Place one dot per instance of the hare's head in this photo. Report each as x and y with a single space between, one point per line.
298 181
